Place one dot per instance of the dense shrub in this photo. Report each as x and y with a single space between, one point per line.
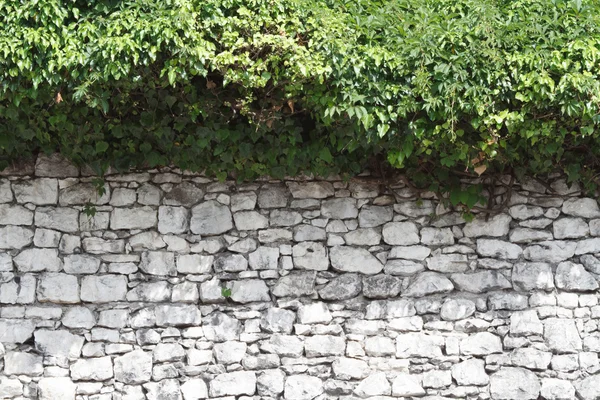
283 86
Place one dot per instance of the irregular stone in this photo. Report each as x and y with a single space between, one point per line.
172 219
283 345
350 368
36 260
249 290
56 388
100 246
133 368
532 276
581 207
103 288
12 214
573 277
588 246
185 292
78 317
514 383
407 385
437 236
194 389
375 384
243 201
340 208
177 315
264 258
210 218
588 388
269 382
250 221
58 288
561 335
523 211
481 344
194 264
418 253
526 235
274 235
83 193
455 309
381 286
400 233
233 384
314 313
231 263
154 292
133 218
16 330
379 346
498 249
363 237
81 264
591 263
220 327
40 192
470 372
507 301
416 209
495 226
558 389
403 267
18 291
295 284
243 246
343 287
428 283
302 387
15 237
92 369
122 197
373 216
525 323
419 345
530 358
480 282
303 233
324 345
350 259
278 320
448 263
59 343
10 388
284 218
570 228
553 251
160 263
311 190
21 363
437 379
6 195
273 196
166 389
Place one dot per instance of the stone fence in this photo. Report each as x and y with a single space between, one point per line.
183 288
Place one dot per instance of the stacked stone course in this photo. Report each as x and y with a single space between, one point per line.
184 288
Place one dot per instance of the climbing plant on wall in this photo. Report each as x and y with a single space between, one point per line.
439 89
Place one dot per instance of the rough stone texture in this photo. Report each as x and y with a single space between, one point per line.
182 288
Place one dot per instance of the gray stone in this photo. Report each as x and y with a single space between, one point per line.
495 226
456 309
403 267
552 251
55 166
243 201
56 388
400 233
21 363
340 208
514 383
416 209
507 301
296 284
284 218
310 255
591 263
418 253
233 384
302 387
92 369
220 327
481 344
350 259
570 228
581 207
427 283
588 246
373 216
437 236
381 286
532 276
250 221
448 263
15 237
324 345
59 343
211 218
58 288
133 218
12 214
81 264
78 317
523 211
167 352
243 246
103 288
561 335
133 368
100 246
278 320
160 263
264 258
574 277
273 196
283 345
311 190
83 193
480 282
249 290
231 263
498 249
185 292
122 197
363 237
525 323
172 219
177 315
18 291
470 372
36 260
37 191
184 194
6 195
526 235
309 232
558 389
229 352
343 287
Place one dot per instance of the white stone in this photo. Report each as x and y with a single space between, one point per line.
437 236
185 292
278 320
302 387
574 277
249 290
210 291
220 327
403 268
588 388
588 246
194 389
194 264
379 346
36 260
243 201
480 282
350 368
177 315
46 238
437 379
418 253
16 330
523 211
59 343
250 221
481 344
514 383
581 207
37 191
498 249
448 263
103 288
210 218
172 219
229 352
375 384
525 323
373 216
343 287
22 292
58 288
561 335
532 276
83 193
21 363
233 384
311 190
311 256
363 237
133 368
6 195
264 258
526 235
551 251
81 264
270 382
78 317
400 233
12 214
306 232
350 259
15 237
428 283
407 385
160 263
557 389
495 226
570 228
530 358
419 345
456 309
56 388
470 372
165 389
150 292
92 369
10 388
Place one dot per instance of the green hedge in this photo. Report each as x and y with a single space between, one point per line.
284 86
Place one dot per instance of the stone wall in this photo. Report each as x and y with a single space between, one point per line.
184 288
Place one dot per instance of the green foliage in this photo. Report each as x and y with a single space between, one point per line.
280 87
226 292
